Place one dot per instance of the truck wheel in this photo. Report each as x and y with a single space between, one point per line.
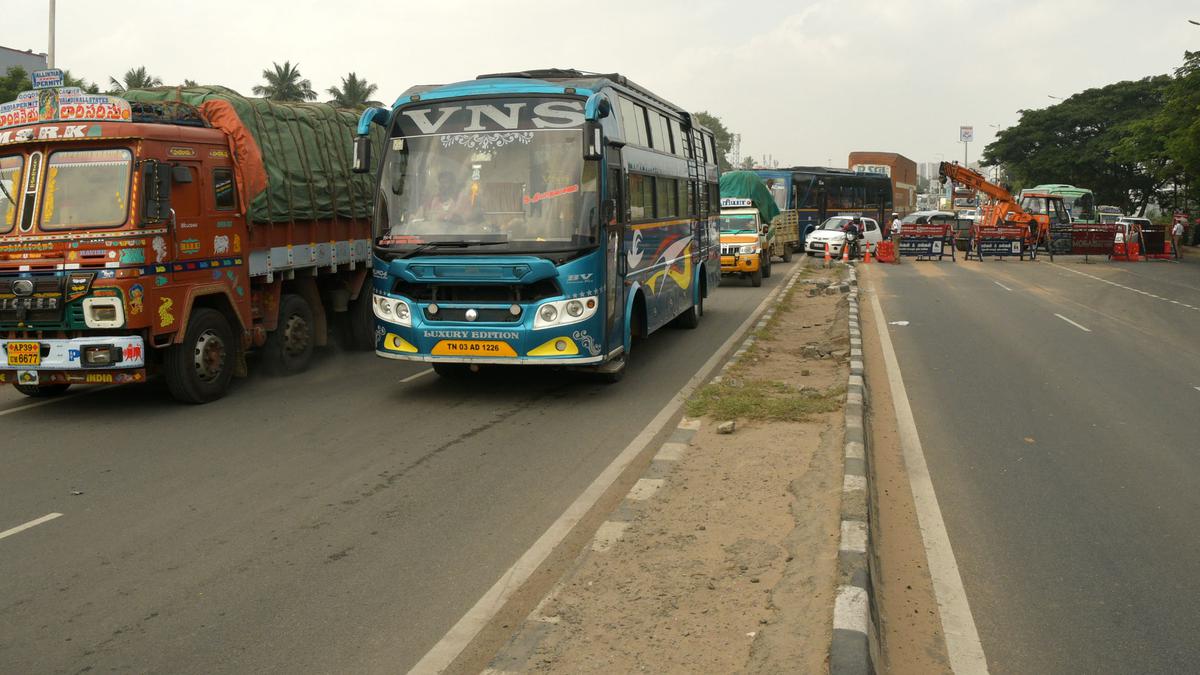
199 369
360 321
691 318
765 265
288 349
787 253
42 390
756 277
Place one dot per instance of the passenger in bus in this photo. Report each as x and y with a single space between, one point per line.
452 201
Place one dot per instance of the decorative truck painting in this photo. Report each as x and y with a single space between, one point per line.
543 217
140 235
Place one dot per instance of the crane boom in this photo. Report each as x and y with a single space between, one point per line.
1002 211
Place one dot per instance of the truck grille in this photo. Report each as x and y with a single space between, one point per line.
43 303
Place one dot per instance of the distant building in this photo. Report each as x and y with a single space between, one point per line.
902 171
28 59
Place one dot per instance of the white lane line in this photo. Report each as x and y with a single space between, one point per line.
58 399
1079 326
958 625
1001 285
1128 288
1196 388
452 644
414 376
33 523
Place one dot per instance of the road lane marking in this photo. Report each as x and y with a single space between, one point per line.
1079 326
58 399
1001 285
1128 288
460 635
414 376
958 625
33 523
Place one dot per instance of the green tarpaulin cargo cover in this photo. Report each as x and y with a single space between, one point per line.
307 150
747 185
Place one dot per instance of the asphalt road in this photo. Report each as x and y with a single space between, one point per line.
1058 406
340 520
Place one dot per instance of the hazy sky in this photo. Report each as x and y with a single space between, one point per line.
806 81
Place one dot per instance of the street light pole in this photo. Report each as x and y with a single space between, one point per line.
50 53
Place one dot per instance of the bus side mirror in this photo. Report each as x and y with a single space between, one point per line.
593 141
362 154
156 195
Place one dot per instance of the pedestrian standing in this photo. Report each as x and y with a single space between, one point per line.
894 230
1176 236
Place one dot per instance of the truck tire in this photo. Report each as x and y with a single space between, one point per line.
765 265
360 321
787 253
756 277
199 369
42 390
288 349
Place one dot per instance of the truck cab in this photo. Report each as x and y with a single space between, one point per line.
745 241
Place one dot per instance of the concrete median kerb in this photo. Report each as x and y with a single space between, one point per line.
849 651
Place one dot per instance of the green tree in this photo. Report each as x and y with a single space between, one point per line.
723 137
747 163
14 81
1180 121
1096 139
284 83
354 92
134 78
189 83
70 80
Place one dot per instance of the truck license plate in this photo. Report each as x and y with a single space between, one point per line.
472 348
24 354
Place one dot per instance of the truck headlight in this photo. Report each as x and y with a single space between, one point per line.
748 249
392 310
103 312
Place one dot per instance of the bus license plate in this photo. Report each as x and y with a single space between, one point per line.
484 348
24 354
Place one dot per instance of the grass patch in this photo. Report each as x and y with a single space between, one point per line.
762 400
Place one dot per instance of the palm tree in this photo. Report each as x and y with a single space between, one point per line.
190 83
284 84
134 78
354 93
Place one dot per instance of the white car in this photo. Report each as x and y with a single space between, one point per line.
831 232
1126 223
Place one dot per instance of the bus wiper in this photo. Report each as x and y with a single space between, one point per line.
454 243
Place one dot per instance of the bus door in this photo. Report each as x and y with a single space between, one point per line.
616 266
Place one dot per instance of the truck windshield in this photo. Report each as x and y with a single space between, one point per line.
744 222
523 189
10 174
86 188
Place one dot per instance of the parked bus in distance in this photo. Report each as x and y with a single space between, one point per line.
817 193
1080 202
901 170
540 217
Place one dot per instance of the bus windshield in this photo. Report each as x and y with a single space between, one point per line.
524 189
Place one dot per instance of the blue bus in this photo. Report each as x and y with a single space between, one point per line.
818 193
539 217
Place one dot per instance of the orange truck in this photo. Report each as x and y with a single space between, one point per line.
1008 227
173 231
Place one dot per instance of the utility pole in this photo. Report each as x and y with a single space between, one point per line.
50 53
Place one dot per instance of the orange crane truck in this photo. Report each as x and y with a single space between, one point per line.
1006 226
172 231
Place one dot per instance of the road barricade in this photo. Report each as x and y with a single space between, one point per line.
1002 241
885 252
1128 252
1088 240
1155 244
926 242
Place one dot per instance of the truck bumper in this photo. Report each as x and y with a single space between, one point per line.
62 361
739 264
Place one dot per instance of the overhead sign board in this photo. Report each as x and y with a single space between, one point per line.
43 79
966 134
67 104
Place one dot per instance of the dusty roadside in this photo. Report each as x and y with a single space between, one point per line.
910 637
727 562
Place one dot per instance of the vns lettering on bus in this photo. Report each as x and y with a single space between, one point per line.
557 114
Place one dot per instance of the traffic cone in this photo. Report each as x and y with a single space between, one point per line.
867 254
828 258
846 251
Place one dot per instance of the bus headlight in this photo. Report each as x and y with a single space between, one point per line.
103 312
563 312
392 310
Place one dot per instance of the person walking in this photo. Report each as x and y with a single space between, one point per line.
1176 237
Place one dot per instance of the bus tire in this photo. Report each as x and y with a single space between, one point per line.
288 349
756 277
691 318
42 390
360 322
199 369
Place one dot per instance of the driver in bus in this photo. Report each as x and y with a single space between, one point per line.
452 202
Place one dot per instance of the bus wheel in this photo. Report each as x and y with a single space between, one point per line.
199 369
691 318
360 321
451 370
289 347
42 390
756 277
